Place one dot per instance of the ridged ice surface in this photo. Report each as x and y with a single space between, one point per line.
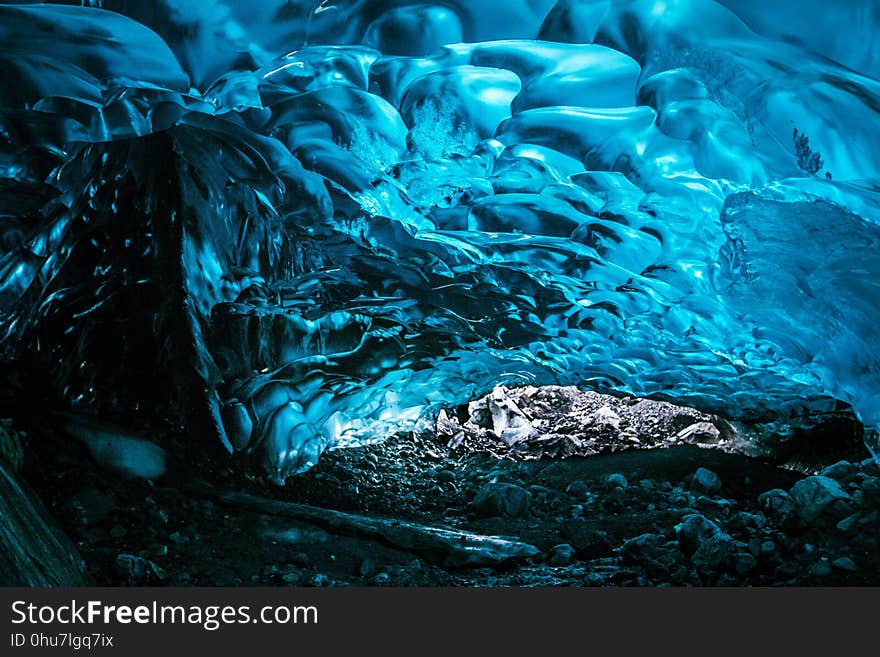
375 208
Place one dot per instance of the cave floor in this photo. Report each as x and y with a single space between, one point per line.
605 520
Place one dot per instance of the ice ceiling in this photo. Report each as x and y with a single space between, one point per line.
326 220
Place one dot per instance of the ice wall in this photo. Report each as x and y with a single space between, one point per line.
358 211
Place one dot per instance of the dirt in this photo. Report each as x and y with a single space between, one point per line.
134 532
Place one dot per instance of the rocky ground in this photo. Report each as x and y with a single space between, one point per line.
647 494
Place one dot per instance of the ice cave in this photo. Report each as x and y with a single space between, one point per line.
585 286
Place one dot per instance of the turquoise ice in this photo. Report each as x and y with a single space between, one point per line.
373 209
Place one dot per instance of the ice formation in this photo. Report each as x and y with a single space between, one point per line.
325 220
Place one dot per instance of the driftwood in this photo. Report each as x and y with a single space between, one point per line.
33 550
448 547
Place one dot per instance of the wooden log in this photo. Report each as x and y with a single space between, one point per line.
452 548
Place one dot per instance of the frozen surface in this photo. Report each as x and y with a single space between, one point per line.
358 212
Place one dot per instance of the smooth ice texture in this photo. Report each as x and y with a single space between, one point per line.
359 211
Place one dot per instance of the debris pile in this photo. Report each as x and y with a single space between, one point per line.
559 422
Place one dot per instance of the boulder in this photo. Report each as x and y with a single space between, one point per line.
696 531
709 547
561 555
812 496
842 471
778 504
616 481
500 499
706 481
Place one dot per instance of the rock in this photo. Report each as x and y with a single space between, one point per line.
642 549
821 568
178 537
578 489
561 555
814 495
768 548
319 580
616 481
445 425
841 471
871 491
706 481
479 415
755 546
744 563
844 563
605 416
301 559
367 568
446 476
714 554
745 521
506 415
137 570
520 434
380 579
589 543
157 550
701 432
500 499
848 524
695 530
778 504
292 577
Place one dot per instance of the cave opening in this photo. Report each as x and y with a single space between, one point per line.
396 293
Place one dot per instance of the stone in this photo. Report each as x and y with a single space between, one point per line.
814 495
745 521
694 530
778 504
501 499
367 568
642 549
844 563
700 432
319 580
744 563
606 416
616 481
848 524
292 577
714 554
446 476
841 471
137 570
578 489
561 555
871 491
706 481
589 543
821 568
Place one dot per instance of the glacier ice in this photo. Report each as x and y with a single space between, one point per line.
326 220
